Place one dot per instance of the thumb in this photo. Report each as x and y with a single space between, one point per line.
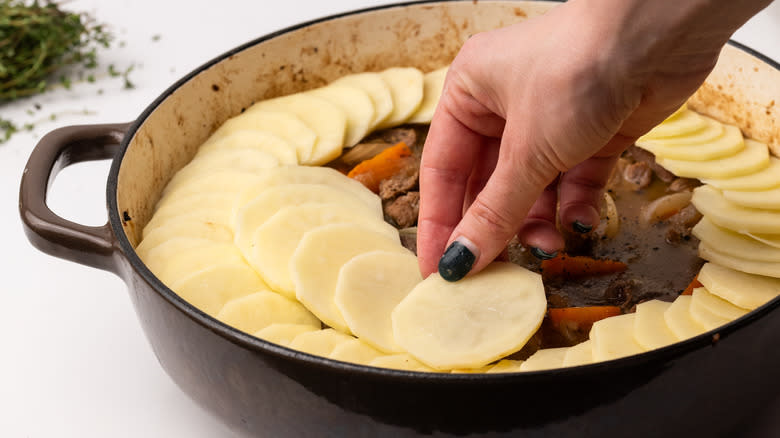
498 211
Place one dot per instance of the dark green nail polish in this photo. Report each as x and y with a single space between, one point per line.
542 254
580 227
456 262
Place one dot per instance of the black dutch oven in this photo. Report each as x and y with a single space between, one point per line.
720 383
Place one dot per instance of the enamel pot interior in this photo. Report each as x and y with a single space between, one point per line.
262 389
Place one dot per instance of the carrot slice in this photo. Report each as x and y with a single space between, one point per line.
694 284
579 317
570 267
372 171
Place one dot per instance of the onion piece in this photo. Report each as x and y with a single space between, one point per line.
610 221
664 207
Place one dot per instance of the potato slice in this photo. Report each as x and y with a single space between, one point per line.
210 208
223 182
702 297
769 269
744 290
320 342
255 213
766 178
678 318
650 328
355 351
188 228
458 325
241 160
734 244
327 120
274 242
505 366
157 258
703 315
258 310
772 240
377 90
752 158
613 337
433 85
680 123
261 141
763 199
580 354
406 87
545 359
185 263
712 130
401 361
283 334
711 203
728 144
479 370
310 175
210 288
369 287
357 106
283 124
317 260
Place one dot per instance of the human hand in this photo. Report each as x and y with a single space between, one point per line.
534 116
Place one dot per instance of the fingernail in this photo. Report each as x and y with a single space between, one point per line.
456 261
580 227
542 254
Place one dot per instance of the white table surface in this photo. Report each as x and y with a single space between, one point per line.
73 359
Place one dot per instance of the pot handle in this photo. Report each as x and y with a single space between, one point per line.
50 233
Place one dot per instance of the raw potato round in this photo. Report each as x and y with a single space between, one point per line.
239 160
282 124
712 130
257 311
772 240
505 366
224 182
711 203
406 87
735 244
702 297
188 228
209 289
650 329
472 322
764 179
257 140
355 351
678 319
376 89
310 175
184 264
703 315
680 123
730 143
357 106
433 85
369 287
157 258
769 269
320 342
764 199
744 290
254 214
316 263
580 354
283 334
545 359
275 241
754 157
327 120
613 337
401 361
207 207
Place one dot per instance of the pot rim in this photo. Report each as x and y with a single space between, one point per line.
248 341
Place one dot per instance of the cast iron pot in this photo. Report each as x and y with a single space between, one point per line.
711 385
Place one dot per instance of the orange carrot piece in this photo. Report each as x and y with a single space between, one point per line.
694 284
570 267
579 317
372 171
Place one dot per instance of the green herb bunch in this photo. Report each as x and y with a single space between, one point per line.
37 39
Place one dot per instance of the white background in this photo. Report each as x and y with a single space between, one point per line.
73 358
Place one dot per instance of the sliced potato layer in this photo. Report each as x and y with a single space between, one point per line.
754 157
433 85
320 342
460 325
650 329
747 291
316 263
703 314
545 359
702 297
678 318
712 130
764 199
256 140
224 182
283 334
769 269
209 289
505 366
764 179
401 361
369 287
356 105
240 160
257 311
680 123
182 264
355 351
406 87
675 148
185 228
377 90
613 337
711 203
733 243
580 354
